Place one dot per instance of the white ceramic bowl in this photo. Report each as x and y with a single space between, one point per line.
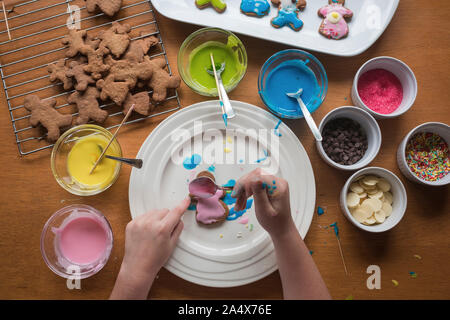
442 130
367 123
399 203
401 71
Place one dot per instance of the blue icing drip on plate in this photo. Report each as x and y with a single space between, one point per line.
212 168
228 199
277 131
192 162
230 183
233 215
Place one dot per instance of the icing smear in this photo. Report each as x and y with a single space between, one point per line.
210 210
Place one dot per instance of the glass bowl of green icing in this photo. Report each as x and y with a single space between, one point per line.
194 60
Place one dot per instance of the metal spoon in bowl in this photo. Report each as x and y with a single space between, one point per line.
204 187
137 163
309 120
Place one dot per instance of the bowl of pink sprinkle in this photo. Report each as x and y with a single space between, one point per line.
385 87
423 155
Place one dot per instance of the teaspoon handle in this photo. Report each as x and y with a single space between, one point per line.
137 163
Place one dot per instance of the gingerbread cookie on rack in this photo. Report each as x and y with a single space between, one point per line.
59 71
141 103
44 112
108 7
161 80
219 5
335 17
124 70
116 91
88 106
75 40
76 71
139 48
116 38
96 66
288 11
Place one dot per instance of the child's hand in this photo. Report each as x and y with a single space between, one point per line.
272 204
151 238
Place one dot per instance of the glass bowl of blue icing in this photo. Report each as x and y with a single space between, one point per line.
286 72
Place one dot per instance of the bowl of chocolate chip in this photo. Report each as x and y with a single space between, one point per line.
351 138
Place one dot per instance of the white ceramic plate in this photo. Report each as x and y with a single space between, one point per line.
370 19
228 254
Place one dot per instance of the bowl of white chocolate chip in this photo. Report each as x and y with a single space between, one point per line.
374 199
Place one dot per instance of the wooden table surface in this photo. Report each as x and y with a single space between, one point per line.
419 34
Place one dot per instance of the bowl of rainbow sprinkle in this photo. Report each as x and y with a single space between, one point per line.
423 155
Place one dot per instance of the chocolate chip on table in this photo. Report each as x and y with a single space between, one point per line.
344 141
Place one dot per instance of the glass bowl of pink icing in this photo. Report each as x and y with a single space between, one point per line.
76 241
385 87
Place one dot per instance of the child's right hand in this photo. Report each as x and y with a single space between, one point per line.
271 198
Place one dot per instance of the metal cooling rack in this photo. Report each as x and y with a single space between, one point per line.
32 49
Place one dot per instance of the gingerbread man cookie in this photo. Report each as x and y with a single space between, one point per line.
108 7
161 80
124 70
59 71
218 5
139 48
96 66
116 38
43 112
77 71
335 16
255 8
116 91
288 14
87 105
211 210
141 103
75 42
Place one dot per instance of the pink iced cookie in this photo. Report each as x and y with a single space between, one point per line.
335 16
212 210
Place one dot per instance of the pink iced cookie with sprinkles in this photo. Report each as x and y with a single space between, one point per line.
335 17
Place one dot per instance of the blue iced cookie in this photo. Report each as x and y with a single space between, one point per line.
288 14
256 8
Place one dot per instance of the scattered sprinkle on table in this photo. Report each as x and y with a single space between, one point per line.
427 156
311 252
320 211
395 282
350 297
417 257
413 274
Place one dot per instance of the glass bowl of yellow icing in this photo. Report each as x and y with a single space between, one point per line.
75 154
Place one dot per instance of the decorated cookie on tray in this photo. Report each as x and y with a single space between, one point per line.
288 11
255 8
335 17
218 5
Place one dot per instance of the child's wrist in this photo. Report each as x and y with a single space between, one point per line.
137 275
288 234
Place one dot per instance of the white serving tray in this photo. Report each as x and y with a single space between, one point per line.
370 19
